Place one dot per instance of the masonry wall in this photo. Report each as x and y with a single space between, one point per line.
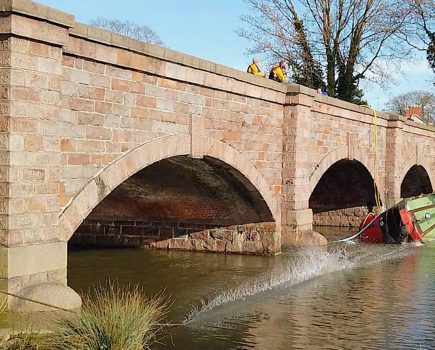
255 239
131 233
114 99
348 131
417 148
351 217
328 131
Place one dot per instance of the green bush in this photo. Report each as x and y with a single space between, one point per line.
112 318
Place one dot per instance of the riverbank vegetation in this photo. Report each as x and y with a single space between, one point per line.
112 317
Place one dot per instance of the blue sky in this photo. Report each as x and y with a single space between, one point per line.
207 29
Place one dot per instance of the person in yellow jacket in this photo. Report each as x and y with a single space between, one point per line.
254 69
279 73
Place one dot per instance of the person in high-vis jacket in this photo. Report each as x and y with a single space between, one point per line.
254 69
279 73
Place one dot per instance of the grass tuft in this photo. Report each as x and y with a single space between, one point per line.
23 341
112 318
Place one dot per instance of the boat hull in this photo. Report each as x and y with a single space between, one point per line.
410 220
422 212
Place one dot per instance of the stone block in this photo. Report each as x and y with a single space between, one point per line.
78 159
180 244
32 259
160 244
73 131
80 104
50 293
175 71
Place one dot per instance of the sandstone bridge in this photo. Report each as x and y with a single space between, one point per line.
107 141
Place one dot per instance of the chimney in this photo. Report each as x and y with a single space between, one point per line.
413 111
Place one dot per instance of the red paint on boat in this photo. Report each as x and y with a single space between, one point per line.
372 234
409 224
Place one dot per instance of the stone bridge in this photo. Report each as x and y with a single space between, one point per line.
107 141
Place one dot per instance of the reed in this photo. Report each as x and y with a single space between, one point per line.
113 317
24 341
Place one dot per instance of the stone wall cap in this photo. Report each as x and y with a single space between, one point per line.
350 106
105 37
33 9
401 118
335 102
300 89
418 125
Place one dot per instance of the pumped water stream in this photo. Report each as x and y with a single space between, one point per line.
353 296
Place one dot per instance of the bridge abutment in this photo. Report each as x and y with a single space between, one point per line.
30 74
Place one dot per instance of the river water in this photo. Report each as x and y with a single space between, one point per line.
353 296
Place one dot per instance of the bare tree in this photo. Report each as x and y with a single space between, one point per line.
423 19
423 99
127 28
347 40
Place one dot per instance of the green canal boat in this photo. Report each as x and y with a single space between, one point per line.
412 219
422 212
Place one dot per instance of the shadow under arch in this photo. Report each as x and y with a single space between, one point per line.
412 161
342 194
415 182
114 174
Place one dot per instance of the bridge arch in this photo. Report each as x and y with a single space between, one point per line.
345 184
114 174
415 182
421 166
343 195
332 157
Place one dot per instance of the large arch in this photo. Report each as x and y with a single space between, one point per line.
108 178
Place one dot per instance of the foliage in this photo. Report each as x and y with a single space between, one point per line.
116 318
127 28
424 99
341 41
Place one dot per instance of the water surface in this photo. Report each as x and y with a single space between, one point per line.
354 296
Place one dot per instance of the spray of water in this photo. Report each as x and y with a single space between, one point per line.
304 265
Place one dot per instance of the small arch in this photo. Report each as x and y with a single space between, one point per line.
424 162
347 183
343 195
332 157
415 182
108 178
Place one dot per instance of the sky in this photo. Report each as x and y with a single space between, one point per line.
207 29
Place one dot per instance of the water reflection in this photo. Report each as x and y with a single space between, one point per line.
378 297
